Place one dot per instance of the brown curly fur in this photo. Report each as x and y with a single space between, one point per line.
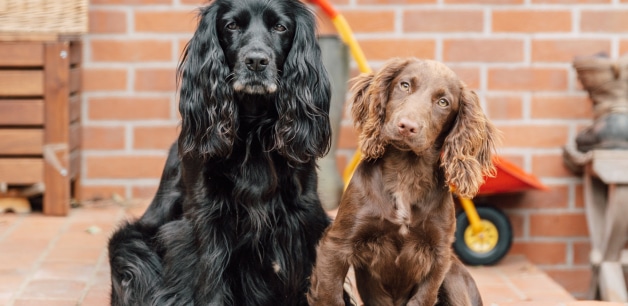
421 129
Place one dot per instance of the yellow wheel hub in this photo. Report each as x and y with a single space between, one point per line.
483 241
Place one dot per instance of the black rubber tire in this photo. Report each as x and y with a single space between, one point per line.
504 241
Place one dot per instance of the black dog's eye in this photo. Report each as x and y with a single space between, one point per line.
232 26
405 86
443 102
280 28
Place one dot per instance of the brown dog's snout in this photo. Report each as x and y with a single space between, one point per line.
407 127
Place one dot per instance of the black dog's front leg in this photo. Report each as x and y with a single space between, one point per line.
195 249
193 273
166 206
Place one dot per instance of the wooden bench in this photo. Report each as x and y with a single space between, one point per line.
40 110
605 177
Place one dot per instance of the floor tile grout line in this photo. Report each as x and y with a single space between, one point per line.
37 265
13 226
6 233
101 259
506 279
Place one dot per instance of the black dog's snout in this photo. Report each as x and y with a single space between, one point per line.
256 62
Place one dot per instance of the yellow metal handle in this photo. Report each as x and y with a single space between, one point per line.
472 214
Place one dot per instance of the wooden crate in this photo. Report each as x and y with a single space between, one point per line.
40 85
43 16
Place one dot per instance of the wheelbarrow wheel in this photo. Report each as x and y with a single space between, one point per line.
488 246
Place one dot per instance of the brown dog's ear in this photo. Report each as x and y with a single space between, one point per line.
370 96
360 99
468 149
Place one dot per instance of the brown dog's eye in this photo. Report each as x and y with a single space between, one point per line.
279 28
405 86
232 26
443 102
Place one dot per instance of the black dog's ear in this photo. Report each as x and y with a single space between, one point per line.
206 103
303 130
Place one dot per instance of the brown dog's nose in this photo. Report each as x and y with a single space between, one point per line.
407 127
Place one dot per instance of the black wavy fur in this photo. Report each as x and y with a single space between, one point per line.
236 218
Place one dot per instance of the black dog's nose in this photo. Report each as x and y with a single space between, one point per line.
256 62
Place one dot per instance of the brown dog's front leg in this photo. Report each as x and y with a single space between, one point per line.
458 287
329 273
427 291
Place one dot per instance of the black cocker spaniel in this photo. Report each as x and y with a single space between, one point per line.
236 218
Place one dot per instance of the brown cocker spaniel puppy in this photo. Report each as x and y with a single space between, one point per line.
421 131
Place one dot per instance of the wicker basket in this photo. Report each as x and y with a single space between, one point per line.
43 16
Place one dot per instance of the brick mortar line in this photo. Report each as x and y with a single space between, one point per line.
141 36
566 240
146 7
129 139
526 108
101 259
130 19
124 94
31 274
571 196
567 35
545 94
537 122
175 47
132 66
487 21
503 65
494 7
514 150
527 50
570 254
105 124
615 46
553 211
527 162
135 123
123 182
563 267
439 49
123 153
576 19
164 36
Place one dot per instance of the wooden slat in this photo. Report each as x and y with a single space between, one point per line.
21 170
21 82
75 135
21 141
29 36
21 54
21 112
75 80
75 107
57 116
76 52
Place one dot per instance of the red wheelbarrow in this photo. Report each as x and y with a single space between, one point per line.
484 234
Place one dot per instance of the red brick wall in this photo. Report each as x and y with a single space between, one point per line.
515 53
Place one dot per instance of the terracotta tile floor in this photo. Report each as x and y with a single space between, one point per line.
58 261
